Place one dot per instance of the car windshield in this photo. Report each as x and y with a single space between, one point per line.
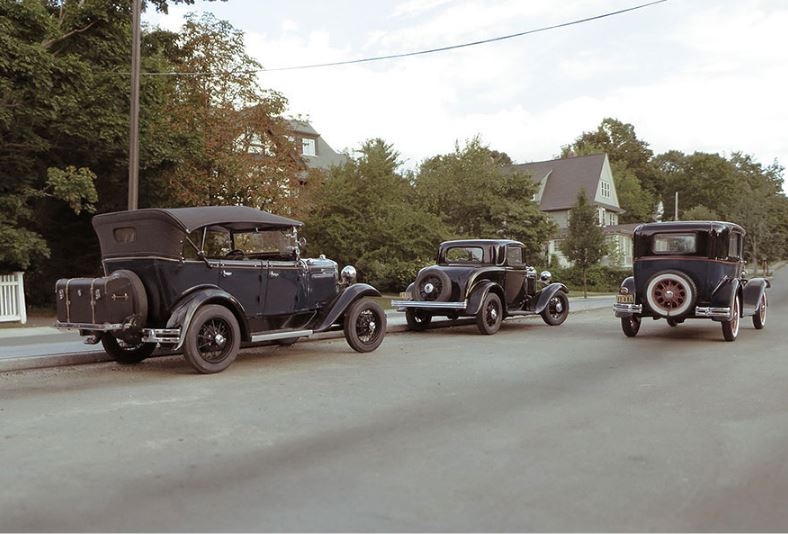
465 255
675 244
219 242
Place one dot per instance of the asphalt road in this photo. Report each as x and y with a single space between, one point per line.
537 428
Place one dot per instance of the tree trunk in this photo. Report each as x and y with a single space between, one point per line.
585 289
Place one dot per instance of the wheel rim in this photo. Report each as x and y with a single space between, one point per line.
669 294
420 316
214 340
491 313
556 307
762 310
367 326
735 319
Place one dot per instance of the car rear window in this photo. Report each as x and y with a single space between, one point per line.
465 255
675 244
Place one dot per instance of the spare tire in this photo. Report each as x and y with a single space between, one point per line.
432 284
138 295
671 294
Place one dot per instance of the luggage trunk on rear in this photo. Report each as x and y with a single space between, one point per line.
105 300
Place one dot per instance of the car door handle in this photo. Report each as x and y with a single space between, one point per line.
225 274
273 274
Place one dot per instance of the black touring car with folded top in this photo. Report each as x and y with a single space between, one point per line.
488 279
204 280
690 270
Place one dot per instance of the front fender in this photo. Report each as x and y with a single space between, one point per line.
478 294
341 303
751 295
547 293
184 310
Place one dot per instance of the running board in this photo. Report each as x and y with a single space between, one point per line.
287 334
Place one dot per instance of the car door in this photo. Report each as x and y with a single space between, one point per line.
285 287
244 280
514 279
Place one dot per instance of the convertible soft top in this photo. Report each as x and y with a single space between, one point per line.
160 231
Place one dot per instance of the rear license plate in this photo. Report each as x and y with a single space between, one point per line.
625 299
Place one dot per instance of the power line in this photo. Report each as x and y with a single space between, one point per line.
431 50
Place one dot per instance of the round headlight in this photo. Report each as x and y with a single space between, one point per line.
348 274
545 277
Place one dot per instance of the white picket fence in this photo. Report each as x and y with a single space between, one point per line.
12 298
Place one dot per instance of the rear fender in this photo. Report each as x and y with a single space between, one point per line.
751 295
629 284
547 293
340 304
725 292
184 310
479 293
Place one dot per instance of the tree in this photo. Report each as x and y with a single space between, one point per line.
363 213
584 244
238 147
637 182
476 196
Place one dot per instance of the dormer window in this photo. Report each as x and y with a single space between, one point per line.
308 147
605 190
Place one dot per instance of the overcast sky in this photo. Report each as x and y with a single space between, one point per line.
691 75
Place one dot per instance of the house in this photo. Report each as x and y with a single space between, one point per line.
314 151
560 181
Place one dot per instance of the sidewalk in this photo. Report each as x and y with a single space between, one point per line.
31 347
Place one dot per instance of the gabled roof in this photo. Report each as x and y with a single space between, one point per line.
326 157
565 178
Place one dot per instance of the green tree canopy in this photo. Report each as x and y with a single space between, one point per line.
475 196
363 213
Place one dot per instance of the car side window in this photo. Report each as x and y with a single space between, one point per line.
514 256
734 246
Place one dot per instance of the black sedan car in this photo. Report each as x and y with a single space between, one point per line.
483 278
690 270
204 280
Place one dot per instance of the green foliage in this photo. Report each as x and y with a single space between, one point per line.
700 213
363 214
474 197
598 278
585 243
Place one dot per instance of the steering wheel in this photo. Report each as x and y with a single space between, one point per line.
236 253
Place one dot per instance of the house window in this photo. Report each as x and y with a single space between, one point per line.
605 190
308 147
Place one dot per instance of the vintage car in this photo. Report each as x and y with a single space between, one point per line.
690 270
204 280
483 278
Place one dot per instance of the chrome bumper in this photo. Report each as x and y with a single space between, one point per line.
402 305
625 310
708 311
168 336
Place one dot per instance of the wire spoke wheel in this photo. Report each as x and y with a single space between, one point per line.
213 339
365 325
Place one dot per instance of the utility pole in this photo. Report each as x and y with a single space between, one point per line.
676 207
134 122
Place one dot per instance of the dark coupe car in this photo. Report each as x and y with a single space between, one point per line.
206 279
689 270
483 278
